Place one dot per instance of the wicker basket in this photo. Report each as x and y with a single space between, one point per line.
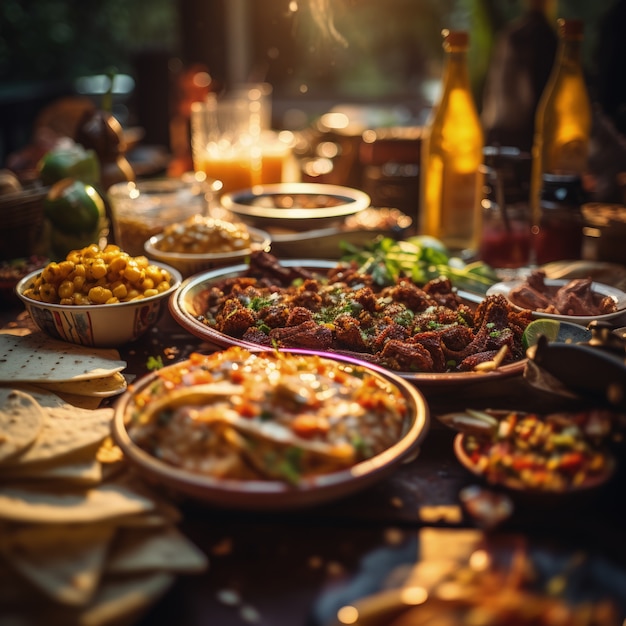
22 223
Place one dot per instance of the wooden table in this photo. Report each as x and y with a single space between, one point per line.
298 568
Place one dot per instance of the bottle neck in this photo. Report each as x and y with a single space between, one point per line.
571 53
456 71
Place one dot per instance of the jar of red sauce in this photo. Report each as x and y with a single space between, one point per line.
505 215
558 235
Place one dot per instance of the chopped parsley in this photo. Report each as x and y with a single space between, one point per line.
154 363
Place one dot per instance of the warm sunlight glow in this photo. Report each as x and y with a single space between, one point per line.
347 615
414 595
479 560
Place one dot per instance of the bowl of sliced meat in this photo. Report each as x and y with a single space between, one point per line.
578 300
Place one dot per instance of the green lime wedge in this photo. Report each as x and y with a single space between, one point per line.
547 327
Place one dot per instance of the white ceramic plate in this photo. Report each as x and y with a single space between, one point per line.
619 296
273 494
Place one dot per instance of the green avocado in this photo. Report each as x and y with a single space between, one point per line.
69 161
74 207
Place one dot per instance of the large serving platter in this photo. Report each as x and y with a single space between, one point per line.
276 495
185 307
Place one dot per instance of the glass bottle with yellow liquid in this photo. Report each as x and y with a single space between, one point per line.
452 154
563 120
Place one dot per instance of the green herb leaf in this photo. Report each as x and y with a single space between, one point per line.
419 258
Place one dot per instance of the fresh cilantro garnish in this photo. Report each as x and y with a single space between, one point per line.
154 363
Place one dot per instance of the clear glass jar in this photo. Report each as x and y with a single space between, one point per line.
505 232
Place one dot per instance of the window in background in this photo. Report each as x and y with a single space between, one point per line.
315 53
319 52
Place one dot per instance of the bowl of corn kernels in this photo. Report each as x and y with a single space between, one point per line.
200 243
101 297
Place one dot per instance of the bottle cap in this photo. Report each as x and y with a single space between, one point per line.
571 28
455 38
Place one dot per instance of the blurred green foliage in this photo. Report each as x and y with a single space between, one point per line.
64 39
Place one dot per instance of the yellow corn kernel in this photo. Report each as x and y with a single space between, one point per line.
110 251
132 294
147 284
79 283
91 251
112 300
155 273
66 289
97 270
132 273
80 299
163 286
74 257
79 270
99 295
51 273
150 292
48 293
120 291
118 264
65 268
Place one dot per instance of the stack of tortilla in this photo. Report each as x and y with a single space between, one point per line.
81 375
81 541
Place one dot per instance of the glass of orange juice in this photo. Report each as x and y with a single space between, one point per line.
231 140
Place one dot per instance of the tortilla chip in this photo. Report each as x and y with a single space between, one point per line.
65 563
21 421
163 516
66 430
142 549
125 597
78 471
38 358
103 387
52 506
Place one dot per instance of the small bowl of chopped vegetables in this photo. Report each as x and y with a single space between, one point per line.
556 453
97 297
201 243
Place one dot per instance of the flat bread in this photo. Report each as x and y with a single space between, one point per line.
104 387
117 601
125 598
52 506
88 471
66 430
21 421
148 549
64 562
37 358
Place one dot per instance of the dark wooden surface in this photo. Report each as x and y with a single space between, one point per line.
297 568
